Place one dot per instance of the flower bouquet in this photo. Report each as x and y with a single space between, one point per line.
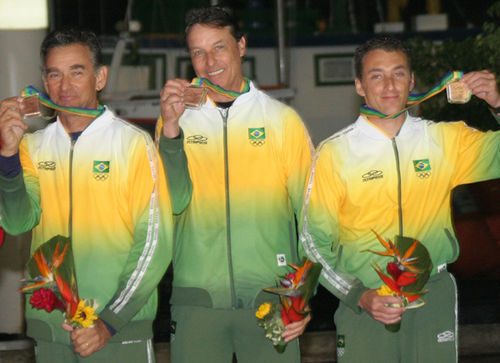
296 289
408 271
53 283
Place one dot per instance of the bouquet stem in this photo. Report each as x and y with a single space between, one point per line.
393 327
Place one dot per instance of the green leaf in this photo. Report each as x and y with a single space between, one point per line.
423 262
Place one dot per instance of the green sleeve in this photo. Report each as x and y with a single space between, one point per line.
19 202
176 167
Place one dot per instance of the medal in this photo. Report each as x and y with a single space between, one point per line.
30 107
457 92
448 81
195 96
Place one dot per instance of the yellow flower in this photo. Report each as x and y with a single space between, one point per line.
84 315
385 291
264 309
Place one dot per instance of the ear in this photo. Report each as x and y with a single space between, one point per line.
242 46
101 78
359 87
412 81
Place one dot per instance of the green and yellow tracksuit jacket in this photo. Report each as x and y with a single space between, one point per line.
362 180
236 201
108 191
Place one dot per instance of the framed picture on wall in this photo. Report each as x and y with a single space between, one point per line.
184 68
333 69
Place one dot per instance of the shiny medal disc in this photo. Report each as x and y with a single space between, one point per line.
457 92
30 107
195 96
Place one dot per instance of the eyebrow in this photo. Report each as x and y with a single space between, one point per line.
392 69
73 67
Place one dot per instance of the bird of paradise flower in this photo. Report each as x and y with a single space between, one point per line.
407 273
296 289
58 275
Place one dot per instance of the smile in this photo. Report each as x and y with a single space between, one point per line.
216 72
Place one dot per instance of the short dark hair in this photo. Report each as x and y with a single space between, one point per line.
387 43
216 16
68 36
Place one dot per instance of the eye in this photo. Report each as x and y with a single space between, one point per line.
53 76
196 53
219 47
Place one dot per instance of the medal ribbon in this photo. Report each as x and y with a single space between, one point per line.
203 82
218 89
415 99
46 101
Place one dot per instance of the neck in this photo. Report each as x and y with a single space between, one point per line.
390 126
74 123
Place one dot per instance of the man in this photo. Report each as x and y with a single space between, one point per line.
98 180
236 197
364 179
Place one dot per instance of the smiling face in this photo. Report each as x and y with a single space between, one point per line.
70 78
216 55
386 81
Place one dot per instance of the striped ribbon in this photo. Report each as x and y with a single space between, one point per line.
47 102
206 83
218 89
415 99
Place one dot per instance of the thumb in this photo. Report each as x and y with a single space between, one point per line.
67 327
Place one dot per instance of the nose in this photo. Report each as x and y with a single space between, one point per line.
389 83
65 82
210 59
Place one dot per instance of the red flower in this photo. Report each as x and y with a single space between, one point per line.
294 311
46 299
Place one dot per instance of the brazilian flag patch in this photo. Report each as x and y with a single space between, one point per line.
422 165
256 133
101 167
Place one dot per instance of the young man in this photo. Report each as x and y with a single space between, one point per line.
366 178
236 197
99 181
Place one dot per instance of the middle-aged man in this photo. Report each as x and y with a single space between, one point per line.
247 161
100 181
368 177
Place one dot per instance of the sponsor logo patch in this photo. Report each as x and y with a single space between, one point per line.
47 165
372 175
446 336
197 139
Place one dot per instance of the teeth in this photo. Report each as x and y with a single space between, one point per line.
216 72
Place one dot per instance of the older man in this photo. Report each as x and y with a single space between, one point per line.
98 180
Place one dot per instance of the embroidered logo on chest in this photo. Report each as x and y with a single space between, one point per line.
100 170
257 136
422 168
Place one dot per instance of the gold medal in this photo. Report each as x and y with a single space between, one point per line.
195 96
457 92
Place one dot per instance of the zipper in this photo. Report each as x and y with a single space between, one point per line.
398 169
225 115
70 222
